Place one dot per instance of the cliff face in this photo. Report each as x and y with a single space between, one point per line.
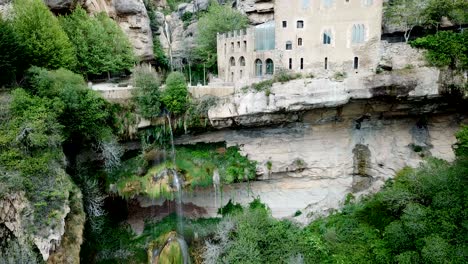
132 17
315 140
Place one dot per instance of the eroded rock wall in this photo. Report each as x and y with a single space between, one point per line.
312 165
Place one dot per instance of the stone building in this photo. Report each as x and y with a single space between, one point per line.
320 37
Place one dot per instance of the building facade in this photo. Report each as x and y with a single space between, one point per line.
319 37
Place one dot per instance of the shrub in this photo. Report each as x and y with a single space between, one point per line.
445 48
461 147
86 115
45 43
146 94
175 96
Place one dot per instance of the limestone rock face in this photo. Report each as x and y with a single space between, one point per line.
312 165
15 214
132 17
61 5
258 11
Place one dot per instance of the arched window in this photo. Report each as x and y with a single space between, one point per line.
327 37
299 41
326 63
356 63
258 68
241 61
232 62
358 33
270 67
288 45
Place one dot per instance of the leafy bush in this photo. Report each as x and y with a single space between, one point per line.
461 147
146 94
45 43
175 96
445 48
86 116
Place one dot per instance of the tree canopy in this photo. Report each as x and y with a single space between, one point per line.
11 57
146 93
175 96
218 18
45 43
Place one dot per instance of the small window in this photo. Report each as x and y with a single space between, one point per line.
232 46
327 37
241 74
238 44
356 63
299 41
285 24
288 45
245 45
242 61
300 24
302 63
232 61
225 48
258 68
270 67
326 63
290 64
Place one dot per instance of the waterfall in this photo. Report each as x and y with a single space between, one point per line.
217 188
176 181
167 33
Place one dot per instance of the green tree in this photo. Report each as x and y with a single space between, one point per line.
461 147
219 18
146 94
11 51
119 47
406 14
45 42
86 115
175 96
88 37
445 48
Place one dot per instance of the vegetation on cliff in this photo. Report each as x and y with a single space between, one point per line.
100 44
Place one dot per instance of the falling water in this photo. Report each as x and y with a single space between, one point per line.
176 181
217 187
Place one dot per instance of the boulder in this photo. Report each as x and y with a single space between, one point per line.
125 7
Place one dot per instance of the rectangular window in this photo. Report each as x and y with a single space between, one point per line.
326 63
290 64
285 24
302 63
288 45
300 24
